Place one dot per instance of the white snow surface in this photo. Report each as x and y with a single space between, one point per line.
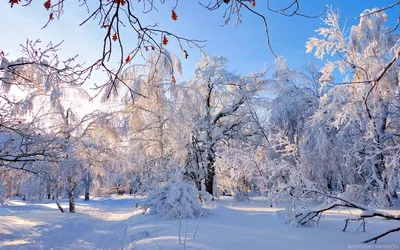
114 222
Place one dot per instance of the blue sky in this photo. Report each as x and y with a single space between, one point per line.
245 47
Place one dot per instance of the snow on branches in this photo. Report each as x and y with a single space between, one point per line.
175 200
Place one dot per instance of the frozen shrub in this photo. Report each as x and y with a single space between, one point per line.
355 193
174 200
380 199
372 197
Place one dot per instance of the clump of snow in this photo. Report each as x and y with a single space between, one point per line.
367 213
205 198
286 215
175 200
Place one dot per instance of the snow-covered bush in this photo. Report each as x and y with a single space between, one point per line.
380 199
174 200
372 197
205 198
240 195
356 193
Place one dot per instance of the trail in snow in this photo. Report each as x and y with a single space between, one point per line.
99 224
115 223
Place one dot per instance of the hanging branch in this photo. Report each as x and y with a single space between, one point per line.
119 16
43 58
293 10
374 11
234 7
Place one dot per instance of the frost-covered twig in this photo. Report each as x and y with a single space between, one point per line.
197 225
184 241
156 244
355 219
180 224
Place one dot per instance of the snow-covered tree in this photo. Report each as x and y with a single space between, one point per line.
362 111
219 114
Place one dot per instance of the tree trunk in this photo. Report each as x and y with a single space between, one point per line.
87 186
48 191
210 171
87 194
209 183
197 183
381 125
120 190
58 204
71 189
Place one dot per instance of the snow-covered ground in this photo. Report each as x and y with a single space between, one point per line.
115 223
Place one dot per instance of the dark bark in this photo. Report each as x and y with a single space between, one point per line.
87 186
71 197
329 183
48 192
209 182
58 204
381 235
120 191
87 194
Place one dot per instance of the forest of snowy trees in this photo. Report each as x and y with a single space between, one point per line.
280 132
271 131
